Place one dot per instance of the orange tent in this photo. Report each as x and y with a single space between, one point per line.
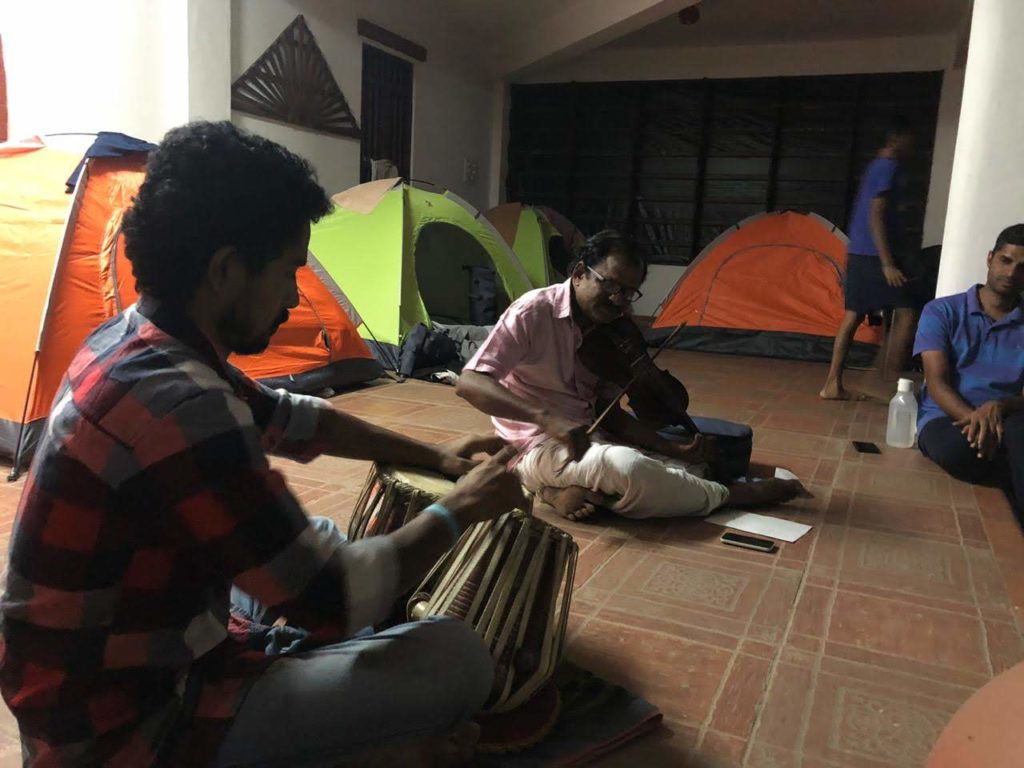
63 273
771 285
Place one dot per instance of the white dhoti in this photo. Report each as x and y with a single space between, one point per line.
645 484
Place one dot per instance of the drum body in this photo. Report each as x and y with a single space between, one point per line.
511 580
391 497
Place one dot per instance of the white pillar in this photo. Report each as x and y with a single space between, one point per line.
209 59
987 189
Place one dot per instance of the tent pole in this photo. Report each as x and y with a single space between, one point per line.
381 347
15 467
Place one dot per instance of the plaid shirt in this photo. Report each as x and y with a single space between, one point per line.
149 496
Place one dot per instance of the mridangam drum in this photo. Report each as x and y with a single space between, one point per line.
511 579
391 497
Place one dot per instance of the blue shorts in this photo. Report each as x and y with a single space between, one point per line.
866 290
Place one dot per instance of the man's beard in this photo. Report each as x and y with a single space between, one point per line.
241 339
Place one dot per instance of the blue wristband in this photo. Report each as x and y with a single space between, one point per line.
449 519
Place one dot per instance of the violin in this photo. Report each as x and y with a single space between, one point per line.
617 352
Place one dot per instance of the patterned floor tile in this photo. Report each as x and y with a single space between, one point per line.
848 648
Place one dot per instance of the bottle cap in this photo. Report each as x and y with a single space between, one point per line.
905 385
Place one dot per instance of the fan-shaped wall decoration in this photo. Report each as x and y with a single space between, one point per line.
291 82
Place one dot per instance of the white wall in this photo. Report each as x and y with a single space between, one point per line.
818 58
254 26
209 59
451 110
451 123
114 65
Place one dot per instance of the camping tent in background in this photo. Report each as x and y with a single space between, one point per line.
63 273
541 238
572 236
771 285
406 255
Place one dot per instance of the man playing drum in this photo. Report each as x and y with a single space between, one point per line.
527 376
151 495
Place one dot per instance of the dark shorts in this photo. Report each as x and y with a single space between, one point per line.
866 290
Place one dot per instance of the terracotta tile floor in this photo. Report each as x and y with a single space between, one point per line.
851 647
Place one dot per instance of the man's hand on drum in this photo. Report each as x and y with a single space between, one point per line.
487 491
457 456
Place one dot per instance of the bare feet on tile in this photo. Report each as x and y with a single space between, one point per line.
575 502
833 390
765 493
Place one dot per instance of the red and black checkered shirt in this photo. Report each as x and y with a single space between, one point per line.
151 494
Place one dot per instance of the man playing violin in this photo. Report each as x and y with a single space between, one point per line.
528 377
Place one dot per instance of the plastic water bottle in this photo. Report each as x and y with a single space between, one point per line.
902 427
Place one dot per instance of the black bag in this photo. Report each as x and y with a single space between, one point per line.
735 443
426 348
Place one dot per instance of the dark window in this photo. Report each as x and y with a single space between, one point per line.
673 163
386 111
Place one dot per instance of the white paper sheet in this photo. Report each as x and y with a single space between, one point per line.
762 525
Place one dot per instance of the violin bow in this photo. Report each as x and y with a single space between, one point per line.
614 402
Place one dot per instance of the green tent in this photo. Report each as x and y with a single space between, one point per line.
541 238
406 255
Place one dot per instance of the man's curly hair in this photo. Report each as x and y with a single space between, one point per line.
210 185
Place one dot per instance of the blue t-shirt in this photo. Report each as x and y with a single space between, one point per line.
986 358
880 178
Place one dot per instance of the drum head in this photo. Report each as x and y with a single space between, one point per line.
420 479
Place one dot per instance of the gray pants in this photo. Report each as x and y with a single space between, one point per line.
316 707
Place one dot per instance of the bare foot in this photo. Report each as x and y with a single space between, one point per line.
575 502
835 391
765 493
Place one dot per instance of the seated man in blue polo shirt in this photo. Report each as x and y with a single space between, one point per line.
971 421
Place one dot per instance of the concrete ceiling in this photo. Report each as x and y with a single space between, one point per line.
510 36
751 22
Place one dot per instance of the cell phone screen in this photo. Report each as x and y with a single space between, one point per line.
862 447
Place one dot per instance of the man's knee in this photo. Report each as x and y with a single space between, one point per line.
954 454
463 665
622 465
1013 427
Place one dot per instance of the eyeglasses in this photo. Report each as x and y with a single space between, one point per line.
611 287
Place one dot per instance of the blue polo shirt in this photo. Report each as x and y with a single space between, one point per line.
986 357
881 177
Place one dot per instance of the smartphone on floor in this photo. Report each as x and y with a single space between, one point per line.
748 542
864 447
